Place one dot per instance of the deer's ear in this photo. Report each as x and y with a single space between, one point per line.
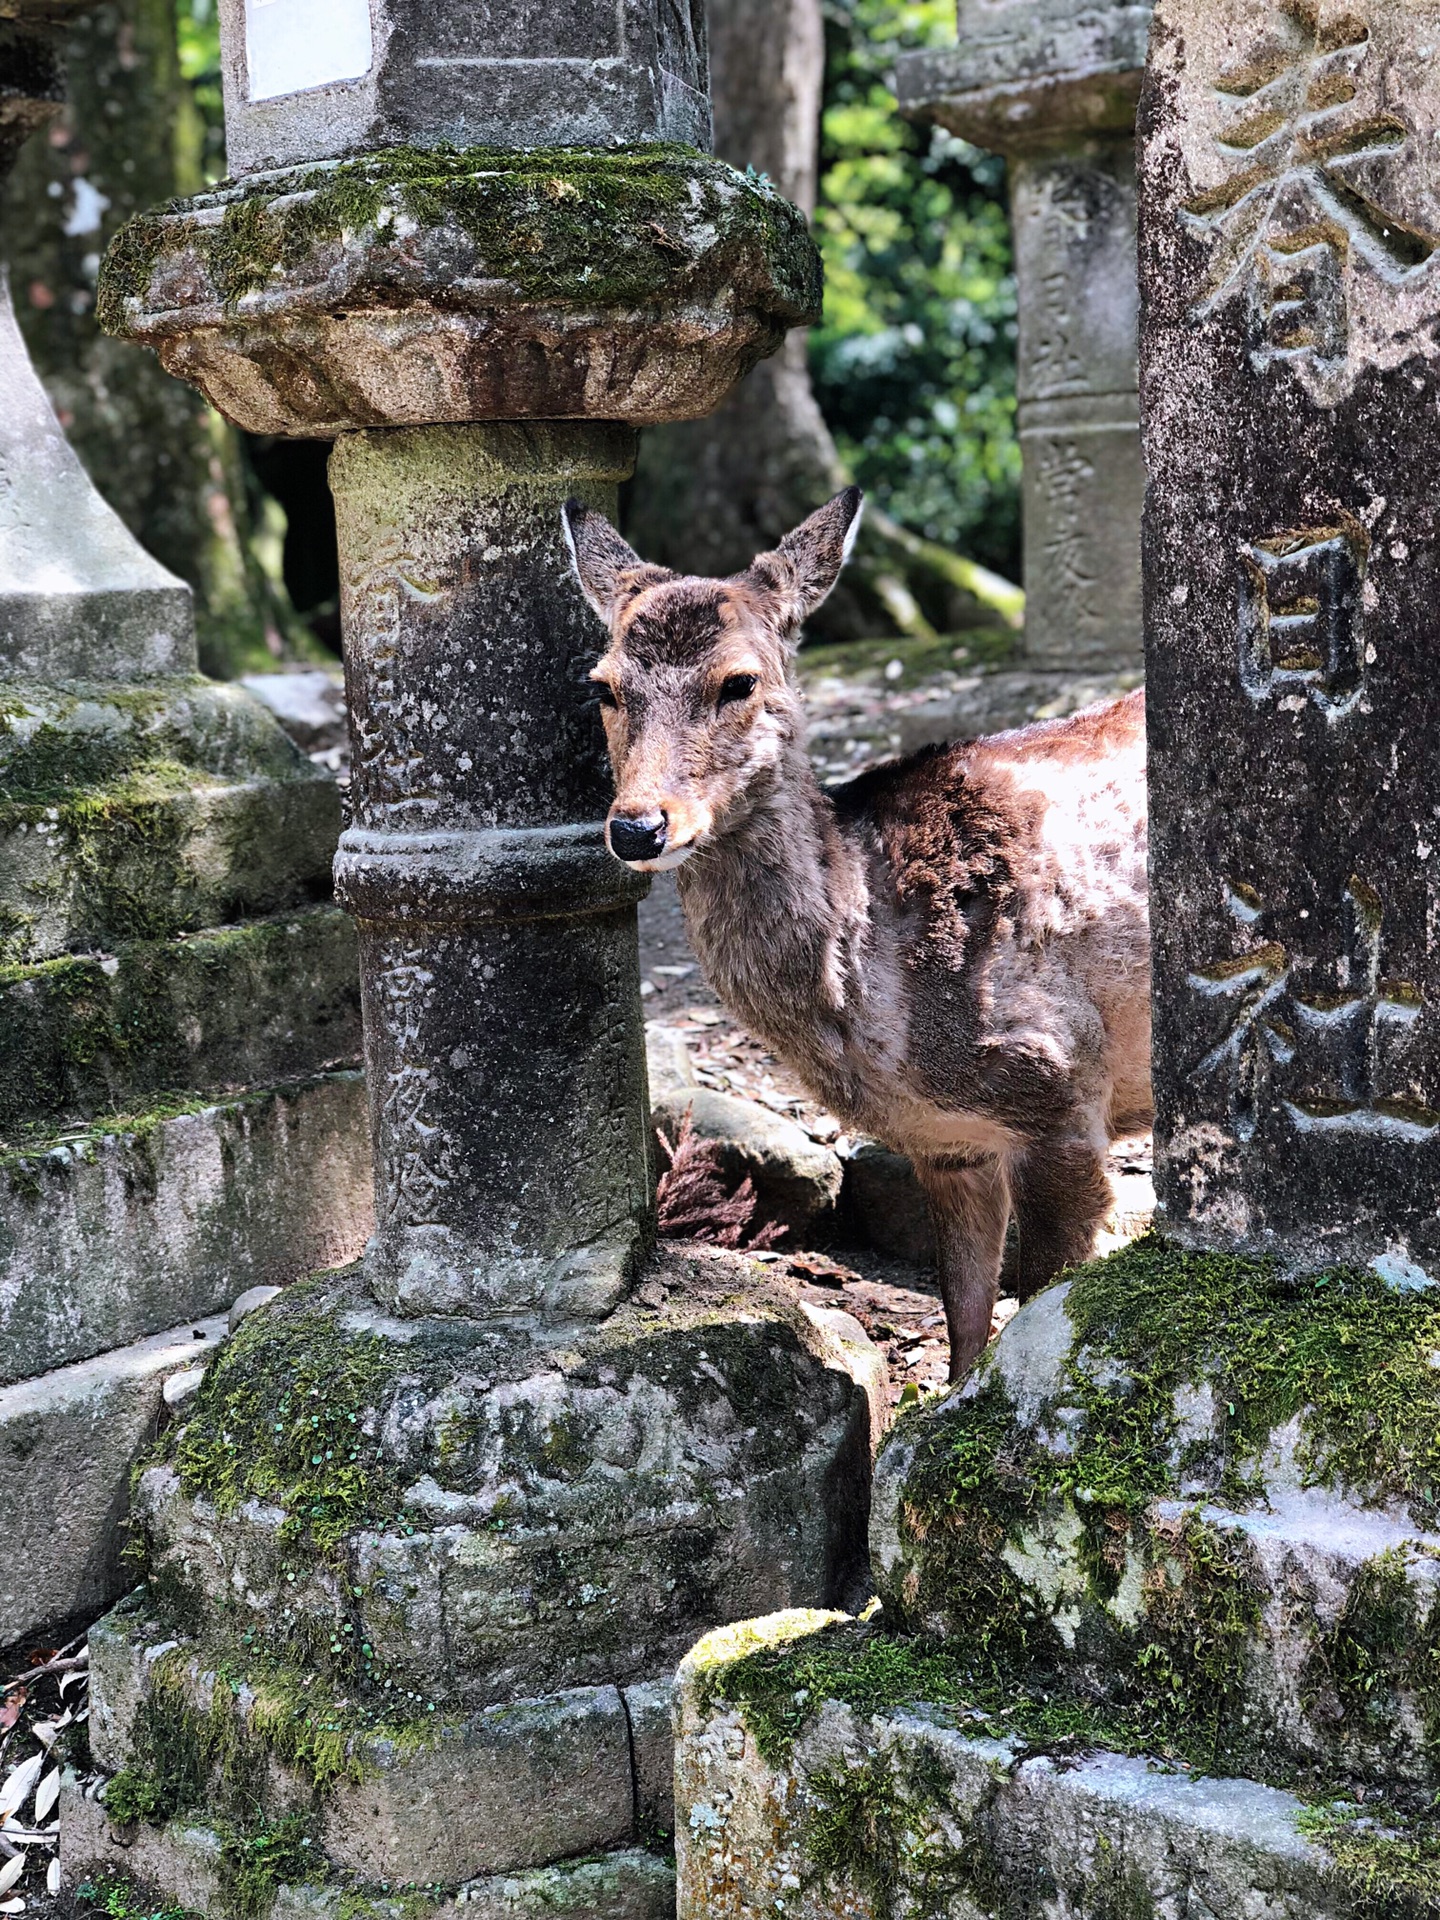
798 575
607 567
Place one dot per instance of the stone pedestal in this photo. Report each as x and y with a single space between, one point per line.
1053 87
456 1512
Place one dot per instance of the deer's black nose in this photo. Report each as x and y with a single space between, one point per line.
638 836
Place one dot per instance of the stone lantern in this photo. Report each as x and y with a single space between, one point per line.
463 1507
1053 86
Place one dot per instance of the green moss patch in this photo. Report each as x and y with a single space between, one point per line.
621 229
1385 1861
289 1415
217 1759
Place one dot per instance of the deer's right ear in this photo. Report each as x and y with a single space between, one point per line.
608 569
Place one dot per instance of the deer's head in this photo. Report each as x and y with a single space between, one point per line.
697 701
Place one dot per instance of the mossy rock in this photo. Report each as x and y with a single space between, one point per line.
1203 1493
450 1505
422 285
139 812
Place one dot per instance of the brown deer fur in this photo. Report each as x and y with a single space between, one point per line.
952 951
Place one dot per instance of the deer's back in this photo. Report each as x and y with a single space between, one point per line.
1008 887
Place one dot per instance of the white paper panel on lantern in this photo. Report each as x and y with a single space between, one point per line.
294 44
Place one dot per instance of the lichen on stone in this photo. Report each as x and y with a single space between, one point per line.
598 229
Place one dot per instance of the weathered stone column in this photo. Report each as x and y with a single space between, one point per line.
1289 255
1053 87
498 944
466 1504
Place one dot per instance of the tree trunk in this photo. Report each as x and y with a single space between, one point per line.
710 494
127 138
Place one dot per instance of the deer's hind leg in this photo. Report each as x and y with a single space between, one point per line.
1062 1198
970 1208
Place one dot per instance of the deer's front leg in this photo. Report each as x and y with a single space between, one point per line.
1062 1198
970 1207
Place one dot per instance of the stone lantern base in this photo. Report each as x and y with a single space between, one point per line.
415 1590
1160 1597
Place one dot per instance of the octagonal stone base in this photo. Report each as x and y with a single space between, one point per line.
410 287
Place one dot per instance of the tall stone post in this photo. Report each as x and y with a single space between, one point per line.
1053 87
180 1118
468 1502
1291 226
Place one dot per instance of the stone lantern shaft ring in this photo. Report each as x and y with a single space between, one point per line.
411 287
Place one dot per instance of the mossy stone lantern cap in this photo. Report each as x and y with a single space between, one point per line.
471 245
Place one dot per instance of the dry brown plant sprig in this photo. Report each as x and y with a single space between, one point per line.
691 1200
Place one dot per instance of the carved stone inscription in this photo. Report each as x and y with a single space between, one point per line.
1309 182
1302 616
1290 303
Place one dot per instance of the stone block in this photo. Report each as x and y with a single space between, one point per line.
1290 592
68 1442
106 1236
430 1799
403 74
1024 73
164 853
554 1517
185 1861
81 599
909 1811
634 286
884 1205
668 1065
1238 1507
232 1007
650 1707
797 1181
308 703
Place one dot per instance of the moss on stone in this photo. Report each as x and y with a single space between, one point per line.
1384 1860
1382 1652
597 229
86 1034
289 1414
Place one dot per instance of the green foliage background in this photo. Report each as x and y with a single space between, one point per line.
914 366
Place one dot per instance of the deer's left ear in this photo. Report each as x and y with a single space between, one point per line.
607 567
799 574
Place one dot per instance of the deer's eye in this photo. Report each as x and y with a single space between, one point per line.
736 686
605 694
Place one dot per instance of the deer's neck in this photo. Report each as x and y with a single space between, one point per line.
778 912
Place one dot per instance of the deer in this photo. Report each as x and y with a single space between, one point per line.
950 950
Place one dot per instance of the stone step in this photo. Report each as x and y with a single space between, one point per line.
237 1006
110 1234
157 853
790 1802
387 1787
68 1443
191 1866
1250 1529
